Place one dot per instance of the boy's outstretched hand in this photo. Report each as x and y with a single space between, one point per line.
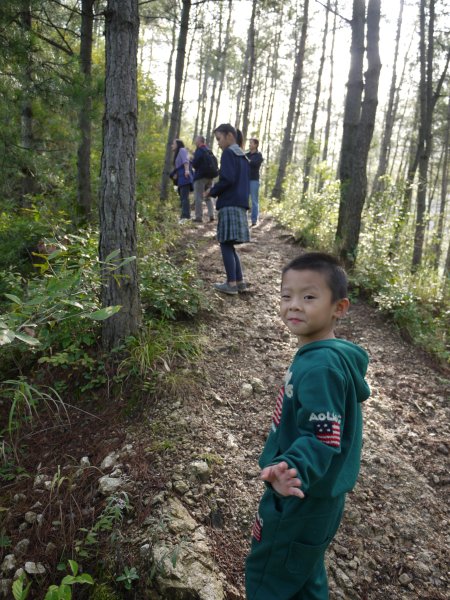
283 479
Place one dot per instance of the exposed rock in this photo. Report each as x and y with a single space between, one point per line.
183 574
246 390
257 385
109 461
108 485
200 469
179 518
9 563
21 547
405 578
33 568
30 517
5 588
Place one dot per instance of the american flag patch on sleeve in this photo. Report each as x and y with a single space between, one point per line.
328 432
257 528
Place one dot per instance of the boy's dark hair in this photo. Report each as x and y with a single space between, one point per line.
256 141
326 264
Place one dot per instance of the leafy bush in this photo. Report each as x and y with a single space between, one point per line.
168 290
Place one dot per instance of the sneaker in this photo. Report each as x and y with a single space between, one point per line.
211 219
226 288
242 287
197 220
255 224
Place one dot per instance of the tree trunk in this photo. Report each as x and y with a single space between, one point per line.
311 147
84 148
26 117
215 76
223 64
175 114
383 159
118 172
287 144
439 250
169 75
251 69
326 136
353 166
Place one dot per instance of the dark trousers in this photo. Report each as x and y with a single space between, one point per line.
184 190
231 261
286 560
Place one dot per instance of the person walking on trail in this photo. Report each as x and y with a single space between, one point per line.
182 177
311 457
256 159
232 192
205 169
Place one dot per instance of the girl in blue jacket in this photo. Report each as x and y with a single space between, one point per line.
232 192
182 176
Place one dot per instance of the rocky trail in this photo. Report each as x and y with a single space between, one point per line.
190 464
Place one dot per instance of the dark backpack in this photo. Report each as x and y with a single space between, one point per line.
210 165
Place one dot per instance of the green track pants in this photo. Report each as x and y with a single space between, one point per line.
290 536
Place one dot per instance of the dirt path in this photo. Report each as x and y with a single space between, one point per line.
392 543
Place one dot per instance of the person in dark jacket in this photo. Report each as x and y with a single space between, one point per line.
256 159
182 177
202 181
312 454
232 192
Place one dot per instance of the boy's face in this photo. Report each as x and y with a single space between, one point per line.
307 308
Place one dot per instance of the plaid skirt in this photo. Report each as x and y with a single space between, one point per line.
232 225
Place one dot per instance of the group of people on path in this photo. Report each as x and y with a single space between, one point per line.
238 182
311 457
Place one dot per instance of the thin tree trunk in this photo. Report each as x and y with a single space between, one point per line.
354 165
185 75
169 75
439 250
286 147
175 114
425 132
326 136
200 79
26 117
223 64
118 172
251 69
215 76
311 146
383 159
84 148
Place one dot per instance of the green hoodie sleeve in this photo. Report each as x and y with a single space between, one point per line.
317 410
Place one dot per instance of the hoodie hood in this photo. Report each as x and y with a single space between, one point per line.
354 357
237 150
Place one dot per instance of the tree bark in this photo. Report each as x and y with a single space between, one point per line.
251 69
439 249
118 172
223 64
26 117
353 166
84 119
310 148
326 136
215 77
383 159
175 114
286 147
169 75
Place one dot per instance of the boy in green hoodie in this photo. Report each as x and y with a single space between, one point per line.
311 457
